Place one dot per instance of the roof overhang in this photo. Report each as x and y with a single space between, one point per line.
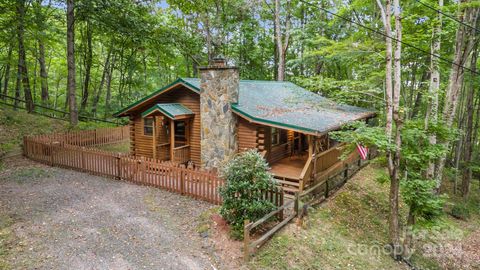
174 111
287 126
125 111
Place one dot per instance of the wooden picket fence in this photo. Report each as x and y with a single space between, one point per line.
69 151
93 137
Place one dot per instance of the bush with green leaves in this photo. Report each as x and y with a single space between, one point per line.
460 211
416 153
246 177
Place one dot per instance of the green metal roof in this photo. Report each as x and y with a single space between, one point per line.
282 104
171 110
288 105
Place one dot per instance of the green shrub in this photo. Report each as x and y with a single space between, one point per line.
460 211
246 177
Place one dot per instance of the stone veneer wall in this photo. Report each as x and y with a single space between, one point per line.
219 87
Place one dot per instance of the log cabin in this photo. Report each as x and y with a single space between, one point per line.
205 121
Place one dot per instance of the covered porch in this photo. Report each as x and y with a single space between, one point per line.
299 170
170 128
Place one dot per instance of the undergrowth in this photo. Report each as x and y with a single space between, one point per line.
350 230
16 124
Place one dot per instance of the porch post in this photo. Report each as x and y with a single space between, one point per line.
172 138
310 145
154 139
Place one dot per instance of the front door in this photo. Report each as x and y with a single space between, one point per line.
180 140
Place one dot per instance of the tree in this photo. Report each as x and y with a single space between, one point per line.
432 106
40 21
469 131
282 37
71 63
105 73
22 63
7 72
464 42
88 66
392 102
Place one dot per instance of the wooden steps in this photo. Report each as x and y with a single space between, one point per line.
289 185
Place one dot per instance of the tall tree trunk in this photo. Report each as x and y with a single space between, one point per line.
282 40
397 118
392 98
41 24
418 99
22 63
109 88
432 105
208 37
71 63
43 72
106 67
463 47
275 51
7 72
18 86
88 67
467 169
386 17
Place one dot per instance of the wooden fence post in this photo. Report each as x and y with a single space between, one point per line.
326 188
281 203
345 175
118 175
52 150
83 159
296 203
182 180
246 240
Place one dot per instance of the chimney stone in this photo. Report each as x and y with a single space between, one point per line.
219 86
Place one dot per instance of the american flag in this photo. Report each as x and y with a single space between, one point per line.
363 151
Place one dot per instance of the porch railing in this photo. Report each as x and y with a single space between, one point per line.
181 154
163 151
320 163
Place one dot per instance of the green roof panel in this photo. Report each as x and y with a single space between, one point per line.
293 107
171 110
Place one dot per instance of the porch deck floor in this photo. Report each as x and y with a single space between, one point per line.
289 167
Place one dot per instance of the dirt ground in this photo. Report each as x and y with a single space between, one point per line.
65 219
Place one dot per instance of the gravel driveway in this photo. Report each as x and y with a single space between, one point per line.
62 219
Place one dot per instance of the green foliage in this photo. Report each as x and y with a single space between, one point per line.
360 133
460 211
416 154
419 196
246 177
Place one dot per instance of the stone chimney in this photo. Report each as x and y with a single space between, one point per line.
219 87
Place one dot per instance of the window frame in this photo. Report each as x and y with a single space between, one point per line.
179 136
145 126
276 136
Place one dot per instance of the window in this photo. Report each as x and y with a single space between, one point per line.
180 132
278 136
275 136
148 126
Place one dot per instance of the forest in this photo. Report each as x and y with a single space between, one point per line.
414 62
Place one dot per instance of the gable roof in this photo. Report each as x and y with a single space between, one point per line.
280 104
179 81
171 110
